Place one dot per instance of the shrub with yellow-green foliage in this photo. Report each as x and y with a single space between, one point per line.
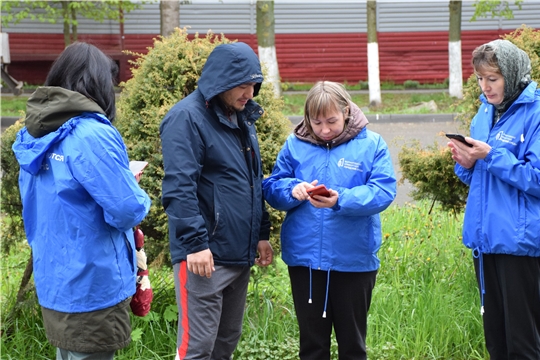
11 206
430 170
162 77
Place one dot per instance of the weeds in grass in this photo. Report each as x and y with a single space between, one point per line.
425 304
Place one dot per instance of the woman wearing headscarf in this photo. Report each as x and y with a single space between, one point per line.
502 217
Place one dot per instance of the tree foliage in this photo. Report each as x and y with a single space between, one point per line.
13 12
162 77
495 8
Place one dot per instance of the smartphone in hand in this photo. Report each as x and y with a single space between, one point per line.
459 138
319 190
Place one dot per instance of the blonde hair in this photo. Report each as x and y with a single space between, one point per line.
325 97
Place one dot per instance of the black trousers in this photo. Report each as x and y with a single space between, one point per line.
349 298
511 306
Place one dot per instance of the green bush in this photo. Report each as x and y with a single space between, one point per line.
11 207
411 84
162 77
430 170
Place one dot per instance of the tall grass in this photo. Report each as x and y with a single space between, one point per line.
425 303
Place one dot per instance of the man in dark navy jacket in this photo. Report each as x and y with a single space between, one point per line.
218 224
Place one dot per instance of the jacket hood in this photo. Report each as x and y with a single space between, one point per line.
31 151
228 66
356 122
49 107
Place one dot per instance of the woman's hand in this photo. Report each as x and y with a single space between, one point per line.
299 192
325 202
466 156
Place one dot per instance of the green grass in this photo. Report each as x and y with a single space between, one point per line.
391 103
12 105
363 85
425 303
294 103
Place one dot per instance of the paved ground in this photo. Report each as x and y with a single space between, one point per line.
397 134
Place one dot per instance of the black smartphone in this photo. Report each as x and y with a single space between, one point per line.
458 137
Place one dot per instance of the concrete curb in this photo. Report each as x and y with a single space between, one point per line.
7 121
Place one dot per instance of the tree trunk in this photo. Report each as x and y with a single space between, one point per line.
455 85
170 16
74 31
266 41
66 16
373 55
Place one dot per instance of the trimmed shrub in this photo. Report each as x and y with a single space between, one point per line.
11 206
430 170
162 77
411 84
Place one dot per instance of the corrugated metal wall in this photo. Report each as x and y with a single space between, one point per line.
314 39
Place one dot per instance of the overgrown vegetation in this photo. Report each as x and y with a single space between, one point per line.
418 164
425 303
10 202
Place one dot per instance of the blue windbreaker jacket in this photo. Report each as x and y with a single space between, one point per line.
80 202
502 215
213 173
348 236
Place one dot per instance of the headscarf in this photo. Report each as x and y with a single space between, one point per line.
515 67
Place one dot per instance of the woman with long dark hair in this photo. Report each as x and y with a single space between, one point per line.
80 203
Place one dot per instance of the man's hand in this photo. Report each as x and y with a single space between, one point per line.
201 263
266 254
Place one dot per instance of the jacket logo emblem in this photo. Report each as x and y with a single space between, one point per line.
505 138
56 157
350 165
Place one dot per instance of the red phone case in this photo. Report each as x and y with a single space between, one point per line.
319 190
